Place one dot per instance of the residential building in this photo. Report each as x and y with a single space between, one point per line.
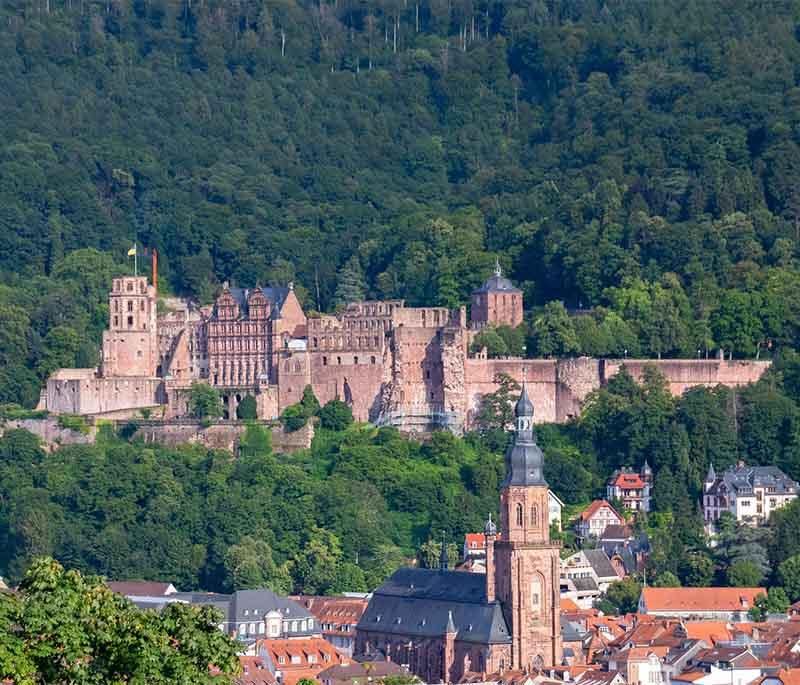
594 520
721 666
446 624
699 603
337 617
141 588
750 493
250 615
633 489
359 673
291 660
590 563
255 671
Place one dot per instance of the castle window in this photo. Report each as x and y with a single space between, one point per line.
338 360
116 321
315 342
116 305
519 514
141 305
130 287
534 516
355 360
372 359
130 305
130 322
324 361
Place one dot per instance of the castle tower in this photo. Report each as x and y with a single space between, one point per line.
497 302
526 562
130 345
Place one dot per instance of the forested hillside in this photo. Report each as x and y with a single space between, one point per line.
639 159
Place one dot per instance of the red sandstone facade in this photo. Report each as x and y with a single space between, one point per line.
396 365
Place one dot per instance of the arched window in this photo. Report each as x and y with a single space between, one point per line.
519 514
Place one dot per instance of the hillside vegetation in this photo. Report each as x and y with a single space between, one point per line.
639 161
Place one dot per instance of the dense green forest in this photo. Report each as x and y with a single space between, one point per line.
365 500
638 161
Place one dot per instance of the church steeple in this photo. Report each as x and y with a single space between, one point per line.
524 459
526 563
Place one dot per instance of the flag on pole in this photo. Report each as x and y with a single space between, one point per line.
132 251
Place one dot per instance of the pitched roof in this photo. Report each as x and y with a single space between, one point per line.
475 541
333 611
689 676
596 506
599 677
254 672
615 531
689 599
417 602
141 588
710 632
298 658
600 563
627 479
351 672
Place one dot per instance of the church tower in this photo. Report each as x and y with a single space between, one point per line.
526 562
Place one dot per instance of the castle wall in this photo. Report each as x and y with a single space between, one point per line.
91 395
363 372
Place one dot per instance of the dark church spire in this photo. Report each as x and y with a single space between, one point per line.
524 459
444 562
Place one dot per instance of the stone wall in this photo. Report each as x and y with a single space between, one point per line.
222 435
51 434
87 394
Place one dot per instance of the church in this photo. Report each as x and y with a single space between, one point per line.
450 625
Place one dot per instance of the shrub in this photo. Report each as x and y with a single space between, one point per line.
335 416
247 409
73 422
293 418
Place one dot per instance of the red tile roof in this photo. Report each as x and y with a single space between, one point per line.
139 588
596 506
689 599
310 656
475 541
254 672
632 481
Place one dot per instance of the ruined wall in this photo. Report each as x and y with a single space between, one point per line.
363 372
682 374
219 435
541 380
50 433
85 394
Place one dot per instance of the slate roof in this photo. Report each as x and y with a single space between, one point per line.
742 480
600 563
417 602
261 601
277 296
498 283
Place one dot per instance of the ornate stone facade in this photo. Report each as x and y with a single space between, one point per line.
404 366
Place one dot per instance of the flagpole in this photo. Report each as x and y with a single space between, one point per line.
135 260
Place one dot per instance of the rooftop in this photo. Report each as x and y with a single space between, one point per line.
689 599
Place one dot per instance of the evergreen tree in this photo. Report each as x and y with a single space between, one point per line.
350 285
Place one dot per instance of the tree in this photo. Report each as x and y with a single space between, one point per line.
744 573
350 283
247 409
335 416
496 412
624 595
666 579
249 565
65 627
309 402
789 577
553 333
204 401
490 339
774 602
294 417
697 570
